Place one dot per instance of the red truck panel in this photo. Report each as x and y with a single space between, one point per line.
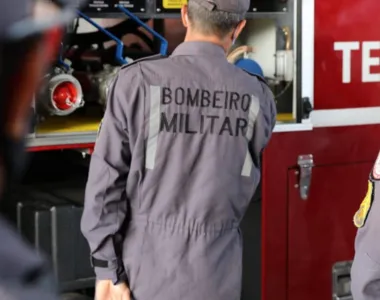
301 239
347 21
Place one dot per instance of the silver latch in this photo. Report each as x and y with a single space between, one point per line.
341 280
305 163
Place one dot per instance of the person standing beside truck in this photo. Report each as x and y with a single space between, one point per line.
175 165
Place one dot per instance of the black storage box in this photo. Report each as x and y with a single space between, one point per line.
52 224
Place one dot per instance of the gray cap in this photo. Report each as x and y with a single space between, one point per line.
10 15
232 6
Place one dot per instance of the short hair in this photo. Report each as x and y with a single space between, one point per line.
215 22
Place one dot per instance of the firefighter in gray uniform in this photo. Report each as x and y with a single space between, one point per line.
175 165
365 272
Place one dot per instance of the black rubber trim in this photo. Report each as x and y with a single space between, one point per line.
98 263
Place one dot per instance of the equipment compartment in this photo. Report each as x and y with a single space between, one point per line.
47 209
267 6
110 6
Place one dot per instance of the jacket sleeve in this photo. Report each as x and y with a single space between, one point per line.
24 274
365 271
106 206
264 123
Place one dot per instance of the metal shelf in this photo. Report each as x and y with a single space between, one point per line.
63 140
250 15
153 10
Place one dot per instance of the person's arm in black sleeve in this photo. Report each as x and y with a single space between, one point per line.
105 199
264 123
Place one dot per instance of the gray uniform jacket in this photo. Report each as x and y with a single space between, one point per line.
177 156
365 272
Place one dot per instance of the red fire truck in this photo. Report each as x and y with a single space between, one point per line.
321 58
315 173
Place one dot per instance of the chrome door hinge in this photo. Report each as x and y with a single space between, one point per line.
341 279
305 164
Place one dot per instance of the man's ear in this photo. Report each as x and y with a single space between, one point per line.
184 16
238 29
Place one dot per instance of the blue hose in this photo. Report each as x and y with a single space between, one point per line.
119 43
250 66
164 42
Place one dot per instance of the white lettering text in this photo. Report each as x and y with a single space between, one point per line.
368 61
346 48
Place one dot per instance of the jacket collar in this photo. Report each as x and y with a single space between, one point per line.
199 48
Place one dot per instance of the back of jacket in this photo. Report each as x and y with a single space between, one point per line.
201 126
195 127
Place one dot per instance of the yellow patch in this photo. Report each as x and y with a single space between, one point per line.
361 215
173 4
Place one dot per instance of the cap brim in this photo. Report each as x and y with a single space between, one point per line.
31 26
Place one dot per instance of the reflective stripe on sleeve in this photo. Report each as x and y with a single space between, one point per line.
254 109
154 126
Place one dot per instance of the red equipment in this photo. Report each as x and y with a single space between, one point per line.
64 95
